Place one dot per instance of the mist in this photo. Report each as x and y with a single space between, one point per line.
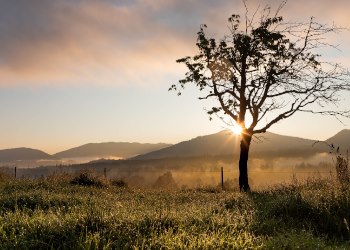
193 172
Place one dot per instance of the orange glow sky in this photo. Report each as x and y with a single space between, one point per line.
74 71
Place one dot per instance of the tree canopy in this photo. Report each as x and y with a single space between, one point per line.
266 67
266 70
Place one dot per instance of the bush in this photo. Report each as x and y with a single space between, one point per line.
119 183
165 181
88 179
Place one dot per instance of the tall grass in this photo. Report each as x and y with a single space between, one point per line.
54 213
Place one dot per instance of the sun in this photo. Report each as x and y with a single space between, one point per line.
236 129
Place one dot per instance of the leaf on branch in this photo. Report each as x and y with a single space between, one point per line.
268 66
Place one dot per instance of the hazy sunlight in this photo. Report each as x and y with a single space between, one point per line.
236 129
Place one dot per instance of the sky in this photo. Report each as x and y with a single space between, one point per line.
80 71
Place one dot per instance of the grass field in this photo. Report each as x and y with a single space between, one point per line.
55 214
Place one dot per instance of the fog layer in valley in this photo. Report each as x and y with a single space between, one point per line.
193 172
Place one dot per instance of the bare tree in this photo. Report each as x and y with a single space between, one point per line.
265 71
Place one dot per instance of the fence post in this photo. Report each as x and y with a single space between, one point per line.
15 172
222 178
105 173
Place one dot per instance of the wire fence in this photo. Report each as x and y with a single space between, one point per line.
16 170
219 176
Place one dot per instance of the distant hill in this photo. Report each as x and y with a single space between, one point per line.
110 149
223 143
23 154
226 143
276 145
341 140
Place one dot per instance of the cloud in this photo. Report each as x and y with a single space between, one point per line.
113 42
47 42
61 40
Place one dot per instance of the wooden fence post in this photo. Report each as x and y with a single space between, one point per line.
15 172
222 178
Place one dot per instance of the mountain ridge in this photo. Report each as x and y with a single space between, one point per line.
220 143
108 149
226 143
341 140
23 154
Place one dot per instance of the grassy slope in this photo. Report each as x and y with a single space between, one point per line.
36 214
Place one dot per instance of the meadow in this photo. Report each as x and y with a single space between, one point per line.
60 212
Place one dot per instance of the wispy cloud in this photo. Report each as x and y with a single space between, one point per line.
49 42
113 42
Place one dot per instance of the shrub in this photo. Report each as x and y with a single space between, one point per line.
165 181
88 179
119 183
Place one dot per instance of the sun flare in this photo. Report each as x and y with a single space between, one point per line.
237 130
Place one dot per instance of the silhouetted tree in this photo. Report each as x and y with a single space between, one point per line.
265 71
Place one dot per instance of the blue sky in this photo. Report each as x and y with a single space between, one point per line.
73 72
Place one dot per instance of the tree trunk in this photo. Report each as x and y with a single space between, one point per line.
246 138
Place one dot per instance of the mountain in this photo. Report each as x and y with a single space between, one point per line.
219 144
23 154
226 143
110 149
276 145
341 140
